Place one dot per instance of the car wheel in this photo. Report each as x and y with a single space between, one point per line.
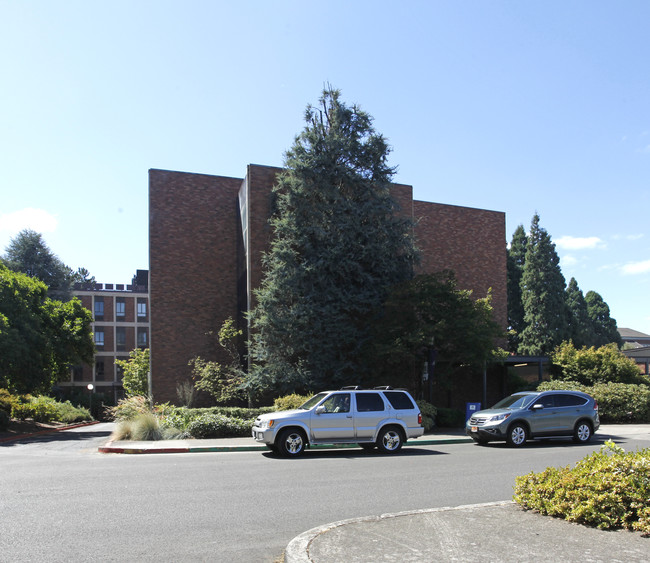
291 443
390 440
368 447
517 435
582 433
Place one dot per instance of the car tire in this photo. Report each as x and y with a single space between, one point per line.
291 443
390 440
582 432
517 435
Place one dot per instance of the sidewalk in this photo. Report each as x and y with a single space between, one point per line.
443 436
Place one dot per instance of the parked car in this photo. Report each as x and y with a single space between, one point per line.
382 417
536 414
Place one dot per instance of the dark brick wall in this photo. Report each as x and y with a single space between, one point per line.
192 258
472 242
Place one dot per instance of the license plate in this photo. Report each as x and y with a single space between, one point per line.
474 428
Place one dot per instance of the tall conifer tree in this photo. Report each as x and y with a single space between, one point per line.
338 245
604 326
516 261
543 297
580 326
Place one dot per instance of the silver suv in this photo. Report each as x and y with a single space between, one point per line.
536 414
382 417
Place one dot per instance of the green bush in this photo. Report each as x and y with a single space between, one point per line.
7 401
428 414
608 489
130 408
218 426
46 409
290 402
450 418
617 402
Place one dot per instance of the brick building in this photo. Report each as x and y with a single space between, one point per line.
120 324
206 237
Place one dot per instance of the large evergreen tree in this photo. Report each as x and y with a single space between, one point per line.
604 326
580 326
338 245
516 261
543 297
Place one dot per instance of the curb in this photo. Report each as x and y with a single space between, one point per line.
47 431
110 449
297 551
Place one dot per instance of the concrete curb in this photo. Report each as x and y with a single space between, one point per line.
297 550
47 431
170 448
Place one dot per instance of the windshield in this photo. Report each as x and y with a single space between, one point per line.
515 402
312 402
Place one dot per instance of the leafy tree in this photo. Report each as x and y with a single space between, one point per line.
28 253
580 325
339 244
604 326
223 383
589 366
430 311
135 373
542 291
515 264
39 337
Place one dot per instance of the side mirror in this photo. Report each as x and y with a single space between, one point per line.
537 407
320 409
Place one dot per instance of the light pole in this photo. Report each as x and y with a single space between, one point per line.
90 397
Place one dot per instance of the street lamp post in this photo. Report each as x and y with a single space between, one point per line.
90 397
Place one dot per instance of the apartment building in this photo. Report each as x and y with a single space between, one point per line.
120 324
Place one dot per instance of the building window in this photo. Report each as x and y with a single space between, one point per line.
99 337
120 338
99 308
120 307
77 373
119 370
142 338
99 370
142 308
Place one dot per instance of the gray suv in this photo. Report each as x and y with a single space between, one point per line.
382 417
536 414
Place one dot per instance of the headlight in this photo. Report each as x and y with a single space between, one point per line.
498 417
267 424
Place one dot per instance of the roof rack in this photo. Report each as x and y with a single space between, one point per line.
351 388
384 388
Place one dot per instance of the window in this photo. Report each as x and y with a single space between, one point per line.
142 338
77 373
369 402
99 370
569 401
337 403
120 307
99 337
399 400
99 308
142 308
120 338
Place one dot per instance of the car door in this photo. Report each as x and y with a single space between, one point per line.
543 420
370 411
332 420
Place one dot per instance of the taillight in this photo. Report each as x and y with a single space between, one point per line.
595 405
420 418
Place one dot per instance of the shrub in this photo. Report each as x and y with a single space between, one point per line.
289 402
450 418
130 408
428 414
218 426
7 401
617 402
590 366
46 409
608 489
145 427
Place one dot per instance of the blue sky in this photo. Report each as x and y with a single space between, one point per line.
519 107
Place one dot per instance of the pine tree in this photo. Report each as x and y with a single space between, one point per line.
516 261
580 326
604 326
338 244
543 297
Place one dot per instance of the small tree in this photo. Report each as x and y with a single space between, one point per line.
135 378
223 383
589 366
